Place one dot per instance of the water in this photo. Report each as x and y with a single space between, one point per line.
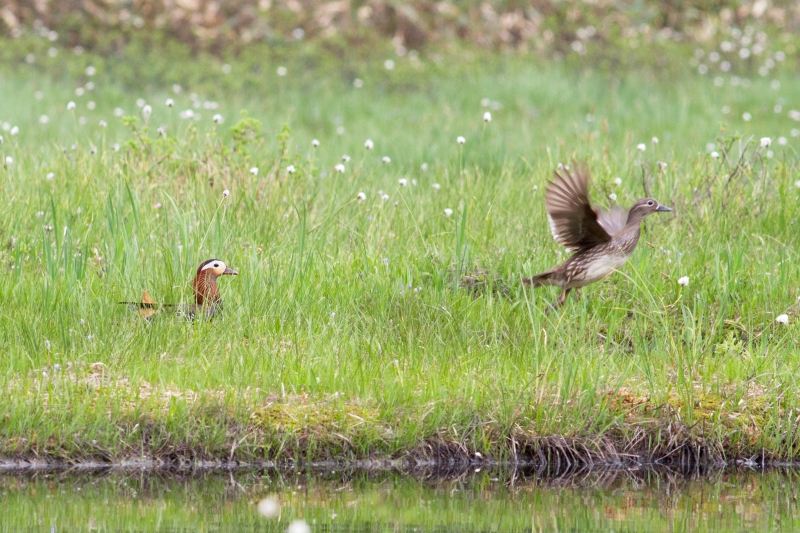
360 501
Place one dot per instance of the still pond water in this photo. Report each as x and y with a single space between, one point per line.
359 501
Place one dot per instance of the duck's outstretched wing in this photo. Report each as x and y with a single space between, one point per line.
573 221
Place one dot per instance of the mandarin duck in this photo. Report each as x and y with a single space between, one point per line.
207 298
603 241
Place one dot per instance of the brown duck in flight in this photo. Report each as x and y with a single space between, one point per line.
204 287
602 240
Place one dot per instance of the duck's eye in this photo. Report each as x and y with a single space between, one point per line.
650 202
216 265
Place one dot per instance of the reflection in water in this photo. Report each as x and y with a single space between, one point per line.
493 500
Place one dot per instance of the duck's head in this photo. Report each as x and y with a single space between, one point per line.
216 268
644 207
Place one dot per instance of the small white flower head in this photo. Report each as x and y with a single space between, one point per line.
436 186
384 197
612 197
339 168
115 147
386 159
226 68
9 160
662 165
403 182
782 319
746 116
460 140
14 130
187 114
226 193
535 188
368 144
162 131
487 117
424 167
50 175
70 106
118 112
93 150
269 507
797 184
140 102
346 158
315 143
655 140
282 71
618 181
90 70
361 197
80 91
170 102
714 155
641 147
388 64
90 105
254 171
47 345
146 110
683 281
765 142
448 212
290 169
358 83
782 141
218 119
298 526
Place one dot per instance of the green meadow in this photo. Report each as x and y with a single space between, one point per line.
378 311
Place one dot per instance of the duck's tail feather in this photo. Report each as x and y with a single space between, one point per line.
539 280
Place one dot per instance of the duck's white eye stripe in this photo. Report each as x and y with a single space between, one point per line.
215 264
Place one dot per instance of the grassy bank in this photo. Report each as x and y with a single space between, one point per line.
391 326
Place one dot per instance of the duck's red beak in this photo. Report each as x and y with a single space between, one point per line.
230 272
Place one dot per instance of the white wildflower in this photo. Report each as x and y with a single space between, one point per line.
118 112
487 117
315 143
14 130
339 168
655 140
170 102
641 147
298 526
282 71
388 64
70 106
386 159
460 140
782 319
103 124
361 197
368 144
226 193
269 507
403 182
44 119
346 158
436 186
218 119
254 171
683 281
613 197
714 155
90 70
617 181
765 142
448 212
9 160
290 169
50 175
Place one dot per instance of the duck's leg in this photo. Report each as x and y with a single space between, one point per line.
563 298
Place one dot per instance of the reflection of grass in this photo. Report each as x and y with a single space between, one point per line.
346 334
369 501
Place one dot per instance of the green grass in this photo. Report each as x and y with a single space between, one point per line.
346 334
